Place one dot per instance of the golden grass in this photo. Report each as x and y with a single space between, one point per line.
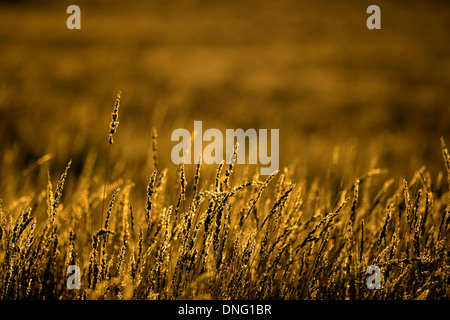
234 237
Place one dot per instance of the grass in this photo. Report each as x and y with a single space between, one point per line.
139 227
231 235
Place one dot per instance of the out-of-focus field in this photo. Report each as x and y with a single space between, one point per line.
311 69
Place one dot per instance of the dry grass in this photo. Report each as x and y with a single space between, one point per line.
232 236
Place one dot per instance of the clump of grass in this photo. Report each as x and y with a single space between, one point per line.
234 237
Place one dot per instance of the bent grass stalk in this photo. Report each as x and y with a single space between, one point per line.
112 130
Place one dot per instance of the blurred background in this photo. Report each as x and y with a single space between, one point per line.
310 68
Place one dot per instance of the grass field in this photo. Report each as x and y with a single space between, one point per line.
364 170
